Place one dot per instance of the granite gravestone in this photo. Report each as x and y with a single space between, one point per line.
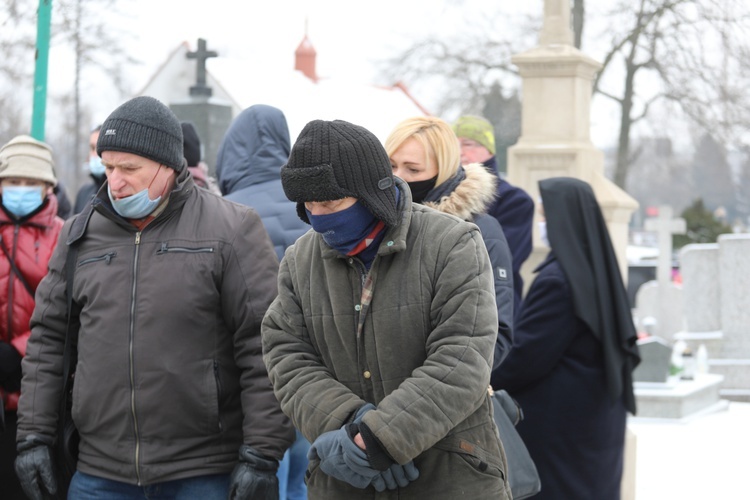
655 362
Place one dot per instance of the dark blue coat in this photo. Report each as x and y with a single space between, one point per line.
248 168
514 210
555 370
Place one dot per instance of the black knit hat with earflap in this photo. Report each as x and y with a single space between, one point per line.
335 159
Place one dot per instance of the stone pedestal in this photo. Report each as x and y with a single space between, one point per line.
680 400
555 139
211 118
627 484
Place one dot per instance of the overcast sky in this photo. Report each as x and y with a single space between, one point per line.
351 37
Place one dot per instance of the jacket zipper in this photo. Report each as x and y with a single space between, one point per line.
218 393
132 364
165 248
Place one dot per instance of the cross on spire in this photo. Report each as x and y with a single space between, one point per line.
201 55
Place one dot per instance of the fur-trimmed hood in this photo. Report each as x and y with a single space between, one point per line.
473 195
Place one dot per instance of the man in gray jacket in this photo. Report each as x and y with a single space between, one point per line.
380 342
170 284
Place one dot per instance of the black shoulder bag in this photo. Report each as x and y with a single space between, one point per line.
522 474
67 435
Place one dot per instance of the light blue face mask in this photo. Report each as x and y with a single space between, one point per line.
22 200
137 206
96 166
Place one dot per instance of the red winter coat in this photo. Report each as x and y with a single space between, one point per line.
30 244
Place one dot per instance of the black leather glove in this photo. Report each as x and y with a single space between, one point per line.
34 467
10 368
254 478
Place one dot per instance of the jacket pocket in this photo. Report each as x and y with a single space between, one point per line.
106 258
165 248
473 455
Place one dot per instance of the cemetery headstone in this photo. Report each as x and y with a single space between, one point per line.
699 266
655 362
663 299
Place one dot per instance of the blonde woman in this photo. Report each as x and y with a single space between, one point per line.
424 152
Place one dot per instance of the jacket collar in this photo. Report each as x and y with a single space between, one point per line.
472 195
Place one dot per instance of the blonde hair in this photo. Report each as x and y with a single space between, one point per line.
438 139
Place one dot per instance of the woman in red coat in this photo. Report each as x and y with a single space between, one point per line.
29 227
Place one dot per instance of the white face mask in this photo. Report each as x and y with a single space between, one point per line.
542 224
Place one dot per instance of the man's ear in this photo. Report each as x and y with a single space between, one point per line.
50 189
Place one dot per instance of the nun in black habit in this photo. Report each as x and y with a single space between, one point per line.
574 350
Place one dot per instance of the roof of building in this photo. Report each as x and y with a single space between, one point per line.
301 98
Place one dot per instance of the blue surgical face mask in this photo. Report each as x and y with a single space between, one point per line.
22 200
96 166
137 206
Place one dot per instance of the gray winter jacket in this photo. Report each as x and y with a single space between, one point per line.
170 380
423 358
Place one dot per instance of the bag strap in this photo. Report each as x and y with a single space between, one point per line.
75 236
15 269
509 405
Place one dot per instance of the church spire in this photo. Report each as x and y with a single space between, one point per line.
304 57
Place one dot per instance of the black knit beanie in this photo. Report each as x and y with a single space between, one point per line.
191 144
145 127
334 159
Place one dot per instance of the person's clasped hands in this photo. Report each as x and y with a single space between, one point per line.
341 458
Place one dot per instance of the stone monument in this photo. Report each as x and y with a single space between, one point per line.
555 139
210 116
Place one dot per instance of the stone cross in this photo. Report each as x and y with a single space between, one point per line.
556 25
201 55
665 226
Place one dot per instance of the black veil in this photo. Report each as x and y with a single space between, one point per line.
580 241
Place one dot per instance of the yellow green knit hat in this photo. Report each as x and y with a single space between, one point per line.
477 129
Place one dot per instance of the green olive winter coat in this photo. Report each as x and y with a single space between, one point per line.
170 378
423 358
